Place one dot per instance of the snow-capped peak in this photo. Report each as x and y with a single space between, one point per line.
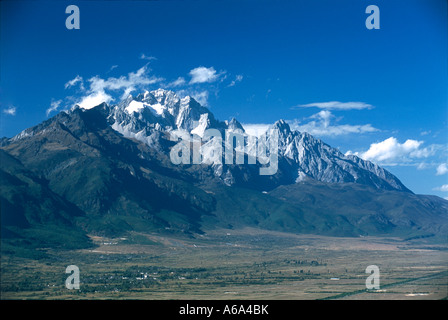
303 155
234 126
203 124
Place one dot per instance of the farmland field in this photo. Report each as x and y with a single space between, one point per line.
233 264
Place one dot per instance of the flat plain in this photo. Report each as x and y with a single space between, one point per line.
227 264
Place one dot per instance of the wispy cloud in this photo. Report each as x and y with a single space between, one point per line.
54 106
336 105
320 124
132 80
115 66
178 82
199 85
73 82
443 188
200 96
98 89
102 90
10 111
238 78
148 58
422 166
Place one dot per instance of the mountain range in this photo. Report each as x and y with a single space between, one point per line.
107 171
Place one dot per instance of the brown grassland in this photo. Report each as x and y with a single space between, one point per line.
233 264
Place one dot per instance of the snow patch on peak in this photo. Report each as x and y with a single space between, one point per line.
161 92
165 96
282 126
234 126
185 100
158 108
134 106
137 106
204 123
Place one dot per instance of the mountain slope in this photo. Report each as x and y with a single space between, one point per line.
111 166
370 211
103 173
32 215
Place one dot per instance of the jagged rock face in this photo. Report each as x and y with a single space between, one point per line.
150 117
301 155
312 158
159 110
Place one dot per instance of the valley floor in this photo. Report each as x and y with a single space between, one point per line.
233 264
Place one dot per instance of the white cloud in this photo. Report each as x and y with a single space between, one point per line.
443 188
422 166
337 105
255 129
335 130
54 106
427 152
71 83
100 89
320 125
392 152
107 89
203 74
10 111
238 78
324 116
442 169
390 149
145 57
134 79
177 83
94 99
113 67
201 97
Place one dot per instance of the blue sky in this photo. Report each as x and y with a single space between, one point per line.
380 94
